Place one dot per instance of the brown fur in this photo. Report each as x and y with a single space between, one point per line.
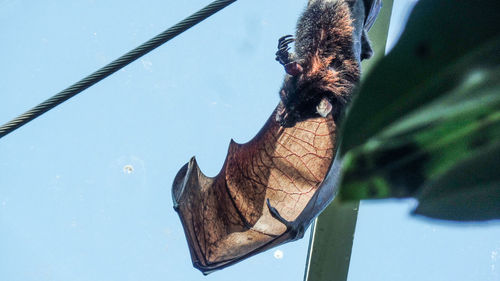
324 49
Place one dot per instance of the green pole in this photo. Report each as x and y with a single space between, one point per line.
333 232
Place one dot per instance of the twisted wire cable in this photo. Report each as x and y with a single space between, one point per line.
114 66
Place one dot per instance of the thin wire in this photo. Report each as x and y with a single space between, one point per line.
114 66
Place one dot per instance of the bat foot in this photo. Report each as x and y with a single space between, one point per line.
285 58
295 230
282 55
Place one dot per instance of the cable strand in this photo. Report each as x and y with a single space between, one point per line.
114 66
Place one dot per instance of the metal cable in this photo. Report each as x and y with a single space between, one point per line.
114 66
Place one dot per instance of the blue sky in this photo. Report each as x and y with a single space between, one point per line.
70 211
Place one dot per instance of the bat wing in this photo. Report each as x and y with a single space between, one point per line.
267 193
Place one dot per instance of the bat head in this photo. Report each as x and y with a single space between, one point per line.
312 93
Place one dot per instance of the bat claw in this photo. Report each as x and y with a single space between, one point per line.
285 40
282 55
324 107
284 44
277 215
295 230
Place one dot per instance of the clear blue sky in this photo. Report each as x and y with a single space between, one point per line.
68 211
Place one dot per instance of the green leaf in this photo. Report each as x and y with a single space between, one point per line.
427 107
425 144
438 50
468 191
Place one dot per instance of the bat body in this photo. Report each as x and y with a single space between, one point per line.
270 189
329 45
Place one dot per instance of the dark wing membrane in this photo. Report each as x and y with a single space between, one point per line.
227 218
372 9
271 188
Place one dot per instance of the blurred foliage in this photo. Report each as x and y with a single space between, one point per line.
426 121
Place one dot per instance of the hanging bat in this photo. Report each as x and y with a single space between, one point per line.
270 189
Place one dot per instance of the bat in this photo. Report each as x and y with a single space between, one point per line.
270 189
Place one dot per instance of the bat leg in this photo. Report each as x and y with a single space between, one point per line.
295 229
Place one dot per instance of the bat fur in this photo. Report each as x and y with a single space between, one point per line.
325 67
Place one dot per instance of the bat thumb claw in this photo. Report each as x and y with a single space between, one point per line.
324 107
295 231
277 215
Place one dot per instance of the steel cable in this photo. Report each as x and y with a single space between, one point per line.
114 66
